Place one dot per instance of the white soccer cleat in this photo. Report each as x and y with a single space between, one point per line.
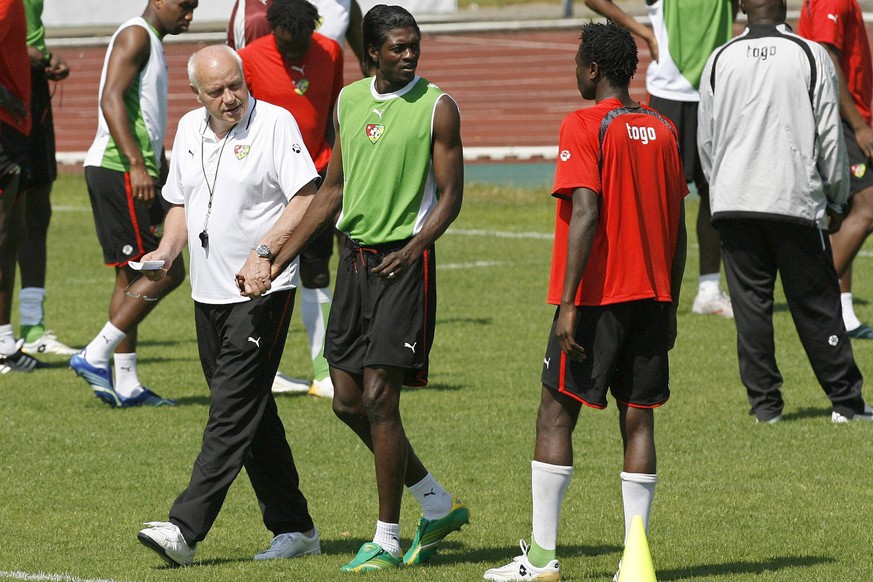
713 304
48 343
520 569
286 384
291 545
165 539
867 415
322 388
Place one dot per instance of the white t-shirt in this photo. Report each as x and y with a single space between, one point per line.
259 165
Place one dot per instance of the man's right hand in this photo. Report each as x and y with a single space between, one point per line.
142 185
157 274
864 139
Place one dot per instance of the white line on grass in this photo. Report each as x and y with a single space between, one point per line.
502 233
473 265
19 575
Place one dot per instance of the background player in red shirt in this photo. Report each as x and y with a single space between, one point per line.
616 271
838 25
301 70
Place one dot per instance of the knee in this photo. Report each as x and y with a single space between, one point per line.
350 412
555 420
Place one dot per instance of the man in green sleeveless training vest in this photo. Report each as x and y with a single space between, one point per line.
396 179
124 169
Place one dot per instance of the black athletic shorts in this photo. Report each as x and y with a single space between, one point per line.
126 229
860 172
683 114
372 323
626 345
13 174
43 165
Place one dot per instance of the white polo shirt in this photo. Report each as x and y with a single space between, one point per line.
259 165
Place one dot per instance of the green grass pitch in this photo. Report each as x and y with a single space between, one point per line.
736 501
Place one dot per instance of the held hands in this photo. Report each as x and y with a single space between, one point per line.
565 331
255 277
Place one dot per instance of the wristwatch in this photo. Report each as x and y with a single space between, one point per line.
263 251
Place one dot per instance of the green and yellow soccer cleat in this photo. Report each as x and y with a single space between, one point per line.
431 532
370 557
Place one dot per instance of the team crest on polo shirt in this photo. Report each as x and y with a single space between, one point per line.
858 170
241 151
375 131
301 86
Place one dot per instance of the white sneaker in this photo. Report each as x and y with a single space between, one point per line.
521 569
48 344
322 388
167 541
290 545
283 384
713 304
866 415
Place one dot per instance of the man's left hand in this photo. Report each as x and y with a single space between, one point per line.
394 265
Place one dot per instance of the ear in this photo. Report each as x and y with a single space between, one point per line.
196 94
594 72
373 54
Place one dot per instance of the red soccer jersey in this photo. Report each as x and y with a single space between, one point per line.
840 23
307 89
14 62
630 158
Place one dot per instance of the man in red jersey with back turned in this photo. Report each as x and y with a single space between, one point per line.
617 266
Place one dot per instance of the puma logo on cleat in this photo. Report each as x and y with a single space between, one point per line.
257 342
410 346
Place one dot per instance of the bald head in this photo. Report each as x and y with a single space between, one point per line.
765 11
216 56
217 80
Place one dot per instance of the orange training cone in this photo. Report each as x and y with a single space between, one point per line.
636 563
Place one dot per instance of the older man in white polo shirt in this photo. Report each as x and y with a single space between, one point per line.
240 180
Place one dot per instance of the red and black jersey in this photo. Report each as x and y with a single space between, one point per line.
630 158
840 23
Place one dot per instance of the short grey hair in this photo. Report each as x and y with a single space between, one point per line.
192 63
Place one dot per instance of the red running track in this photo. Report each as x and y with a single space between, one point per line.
513 89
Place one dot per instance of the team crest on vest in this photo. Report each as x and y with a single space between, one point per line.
858 170
375 131
241 151
301 86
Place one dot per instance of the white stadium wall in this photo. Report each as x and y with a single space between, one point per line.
66 13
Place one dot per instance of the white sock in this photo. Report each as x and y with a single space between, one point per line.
434 500
637 492
127 384
709 284
7 340
104 343
548 485
388 536
30 305
314 309
850 320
